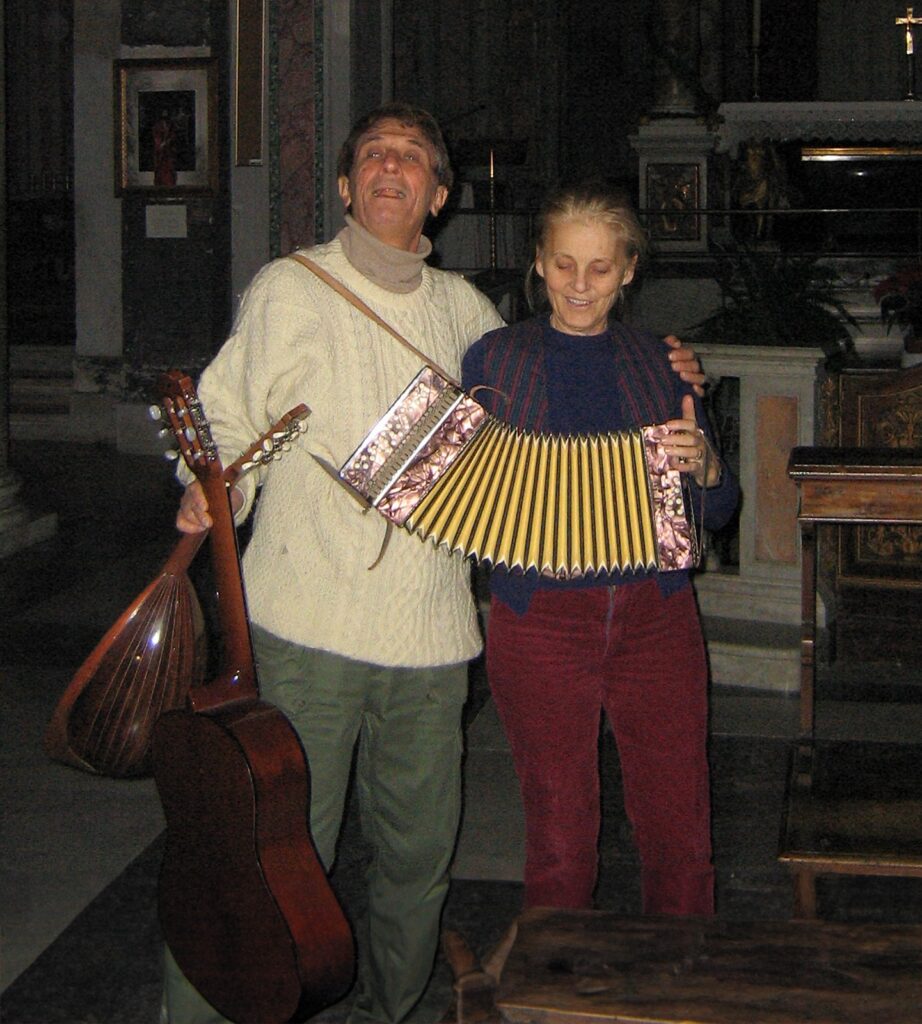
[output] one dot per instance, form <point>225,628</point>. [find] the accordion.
<point>441,466</point>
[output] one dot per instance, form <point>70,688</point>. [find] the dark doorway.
<point>39,172</point>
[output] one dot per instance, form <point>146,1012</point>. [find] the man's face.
<point>392,186</point>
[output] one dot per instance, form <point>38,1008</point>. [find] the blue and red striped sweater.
<point>572,384</point>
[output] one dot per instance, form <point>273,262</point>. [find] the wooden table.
<point>840,797</point>
<point>579,967</point>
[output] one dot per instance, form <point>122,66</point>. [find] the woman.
<point>561,652</point>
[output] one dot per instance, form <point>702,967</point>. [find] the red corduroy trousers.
<point>639,657</point>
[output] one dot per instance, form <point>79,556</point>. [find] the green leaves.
<point>774,299</point>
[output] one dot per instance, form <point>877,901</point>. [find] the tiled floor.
<point>80,853</point>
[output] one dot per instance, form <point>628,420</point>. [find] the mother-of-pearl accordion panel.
<point>438,464</point>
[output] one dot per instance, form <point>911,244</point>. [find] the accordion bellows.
<point>438,464</point>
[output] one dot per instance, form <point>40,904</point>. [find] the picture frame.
<point>166,126</point>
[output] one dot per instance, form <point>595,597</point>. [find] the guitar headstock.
<point>183,411</point>
<point>186,419</point>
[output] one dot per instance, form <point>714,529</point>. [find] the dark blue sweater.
<point>573,384</point>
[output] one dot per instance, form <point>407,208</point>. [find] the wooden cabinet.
<point>872,570</point>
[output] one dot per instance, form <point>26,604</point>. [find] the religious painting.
<point>166,126</point>
<point>671,190</point>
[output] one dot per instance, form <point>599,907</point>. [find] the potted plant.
<point>775,299</point>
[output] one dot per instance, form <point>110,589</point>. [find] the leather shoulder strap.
<point>350,296</point>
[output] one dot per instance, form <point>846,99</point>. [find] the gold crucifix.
<point>910,22</point>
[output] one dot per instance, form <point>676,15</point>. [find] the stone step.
<point>40,395</point>
<point>751,655</point>
<point>41,384</point>
<point>42,361</point>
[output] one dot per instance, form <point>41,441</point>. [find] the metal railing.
<point>505,240</point>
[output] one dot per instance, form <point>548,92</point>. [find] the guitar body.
<point>245,905</point>
<point>244,902</point>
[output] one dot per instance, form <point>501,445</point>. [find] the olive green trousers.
<point>400,729</point>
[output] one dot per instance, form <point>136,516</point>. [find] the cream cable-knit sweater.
<point>306,567</point>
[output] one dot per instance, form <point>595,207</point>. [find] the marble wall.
<point>294,122</point>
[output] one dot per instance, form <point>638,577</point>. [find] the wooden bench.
<point>579,967</point>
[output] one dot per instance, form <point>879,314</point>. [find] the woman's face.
<point>584,265</point>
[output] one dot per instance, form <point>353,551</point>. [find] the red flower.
<point>900,298</point>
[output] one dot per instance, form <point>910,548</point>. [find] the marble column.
<point>296,122</point>
<point>17,528</point>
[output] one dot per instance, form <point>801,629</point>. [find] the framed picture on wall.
<point>166,126</point>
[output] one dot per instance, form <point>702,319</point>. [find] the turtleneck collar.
<point>394,269</point>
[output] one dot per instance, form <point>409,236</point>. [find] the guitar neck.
<point>236,680</point>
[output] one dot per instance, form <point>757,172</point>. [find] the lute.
<point>152,654</point>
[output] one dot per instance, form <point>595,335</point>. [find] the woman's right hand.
<point>193,516</point>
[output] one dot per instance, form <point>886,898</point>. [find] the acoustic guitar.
<point>244,902</point>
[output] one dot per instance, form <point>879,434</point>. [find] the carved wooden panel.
<point>881,409</point>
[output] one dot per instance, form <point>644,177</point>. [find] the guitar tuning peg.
<point>165,432</point>
<point>155,412</point>
<point>171,455</point>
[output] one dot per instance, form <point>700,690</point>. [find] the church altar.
<point>882,121</point>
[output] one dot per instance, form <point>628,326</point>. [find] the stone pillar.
<point>335,108</point>
<point>94,415</point>
<point>296,109</point>
<point>752,615</point>
<point>17,528</point>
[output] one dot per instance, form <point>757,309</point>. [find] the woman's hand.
<point>193,516</point>
<point>688,448</point>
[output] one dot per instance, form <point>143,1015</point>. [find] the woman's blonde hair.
<point>592,201</point>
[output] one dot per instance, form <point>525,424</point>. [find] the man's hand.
<point>193,516</point>
<point>685,363</point>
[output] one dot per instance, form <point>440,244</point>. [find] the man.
<point>357,657</point>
